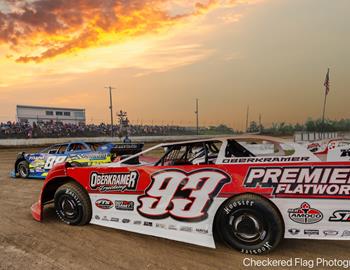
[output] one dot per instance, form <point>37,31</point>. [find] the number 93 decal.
<point>182,195</point>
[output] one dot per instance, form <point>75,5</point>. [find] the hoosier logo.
<point>305,214</point>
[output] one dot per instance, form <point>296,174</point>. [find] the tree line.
<point>310,125</point>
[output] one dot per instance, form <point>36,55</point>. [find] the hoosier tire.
<point>250,224</point>
<point>72,204</point>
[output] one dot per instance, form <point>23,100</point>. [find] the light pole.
<point>247,120</point>
<point>111,108</point>
<point>197,116</point>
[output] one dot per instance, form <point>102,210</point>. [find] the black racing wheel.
<point>72,204</point>
<point>250,224</point>
<point>23,169</point>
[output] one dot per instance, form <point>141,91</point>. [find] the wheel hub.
<point>69,207</point>
<point>247,227</point>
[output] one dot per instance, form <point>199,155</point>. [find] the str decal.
<point>340,216</point>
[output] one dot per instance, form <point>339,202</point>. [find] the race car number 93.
<point>163,199</point>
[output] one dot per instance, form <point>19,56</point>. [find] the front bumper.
<point>37,211</point>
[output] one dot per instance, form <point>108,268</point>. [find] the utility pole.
<point>326,85</point>
<point>197,116</point>
<point>110,88</point>
<point>247,120</point>
<point>260,125</point>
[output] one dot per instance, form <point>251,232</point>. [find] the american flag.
<point>326,82</point>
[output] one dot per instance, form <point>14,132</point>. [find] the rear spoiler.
<point>126,149</point>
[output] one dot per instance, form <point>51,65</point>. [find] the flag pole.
<point>326,85</point>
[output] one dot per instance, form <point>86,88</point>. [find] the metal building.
<point>37,113</point>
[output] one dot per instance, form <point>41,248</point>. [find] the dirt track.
<point>27,244</point>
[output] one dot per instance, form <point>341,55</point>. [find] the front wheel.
<point>72,204</point>
<point>23,169</point>
<point>250,224</point>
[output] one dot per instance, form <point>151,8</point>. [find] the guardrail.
<point>146,139</point>
<point>314,136</point>
<point>302,137</point>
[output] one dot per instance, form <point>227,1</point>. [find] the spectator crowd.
<point>20,130</point>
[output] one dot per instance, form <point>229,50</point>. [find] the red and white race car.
<point>189,191</point>
<point>331,149</point>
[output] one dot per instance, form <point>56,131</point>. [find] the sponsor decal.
<point>172,227</point>
<point>126,220</point>
<point>330,233</point>
<point>124,205</point>
<point>320,181</point>
<point>305,214</point>
<point>311,232</point>
<point>34,157</point>
<point>265,159</point>
<point>186,229</point>
<point>114,219</point>
<point>332,146</point>
<point>105,218</point>
<point>340,216</point>
<point>147,223</point>
<point>345,152</point>
<point>184,196</point>
<point>313,147</point>
<point>97,217</point>
<point>90,156</point>
<point>127,146</point>
<point>110,182</point>
<point>104,204</point>
<point>294,231</point>
<point>346,233</point>
<point>202,231</point>
<point>137,222</point>
<point>160,225</point>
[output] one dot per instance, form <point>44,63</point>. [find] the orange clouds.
<point>43,29</point>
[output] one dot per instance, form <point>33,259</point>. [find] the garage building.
<point>26,113</point>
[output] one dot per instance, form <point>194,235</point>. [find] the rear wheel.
<point>23,169</point>
<point>249,224</point>
<point>72,204</point>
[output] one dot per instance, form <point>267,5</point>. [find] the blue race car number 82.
<point>52,160</point>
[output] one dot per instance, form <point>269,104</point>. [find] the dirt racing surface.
<point>27,244</point>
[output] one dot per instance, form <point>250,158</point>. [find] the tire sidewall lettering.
<point>75,197</point>
<point>264,248</point>
<point>236,204</point>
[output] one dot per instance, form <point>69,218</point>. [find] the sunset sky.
<point>161,55</point>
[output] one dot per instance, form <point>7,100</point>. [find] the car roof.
<point>238,137</point>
